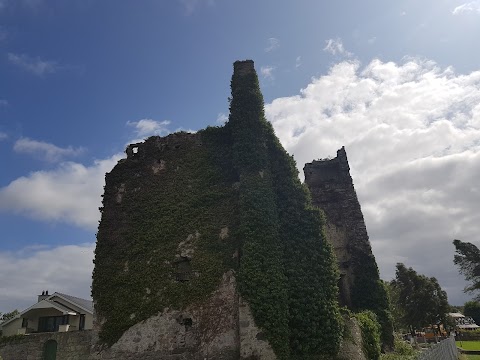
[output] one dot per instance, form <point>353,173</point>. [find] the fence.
<point>444,350</point>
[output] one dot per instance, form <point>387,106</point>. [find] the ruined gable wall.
<point>165,242</point>
<point>332,190</point>
<point>360,286</point>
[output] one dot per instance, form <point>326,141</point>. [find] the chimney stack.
<point>43,296</point>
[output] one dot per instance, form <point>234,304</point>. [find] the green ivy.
<point>137,240</point>
<point>369,293</point>
<point>237,176</point>
<point>282,233</point>
<point>262,276</point>
<point>370,329</point>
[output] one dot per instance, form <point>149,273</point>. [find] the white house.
<point>56,312</point>
<point>463,322</point>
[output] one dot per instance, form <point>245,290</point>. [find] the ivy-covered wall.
<point>182,210</point>
<point>162,240</point>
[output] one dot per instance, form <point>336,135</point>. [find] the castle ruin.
<point>209,248</point>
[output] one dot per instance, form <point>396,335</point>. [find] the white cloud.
<point>44,150</point>
<point>148,127</point>
<point>222,118</point>
<point>412,135</point>
<point>335,47</point>
<point>25,273</point>
<point>298,62</point>
<point>267,72</point>
<point>36,66</point>
<point>473,6</point>
<point>70,193</point>
<point>3,136</point>
<point>273,44</point>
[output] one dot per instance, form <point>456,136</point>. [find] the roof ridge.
<point>71,296</point>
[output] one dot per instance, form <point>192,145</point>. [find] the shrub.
<point>370,329</point>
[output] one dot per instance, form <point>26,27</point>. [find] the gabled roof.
<point>47,303</point>
<point>456,315</point>
<point>84,304</point>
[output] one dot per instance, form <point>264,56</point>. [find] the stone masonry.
<point>332,190</point>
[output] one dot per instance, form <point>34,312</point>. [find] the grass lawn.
<point>469,345</point>
<point>472,357</point>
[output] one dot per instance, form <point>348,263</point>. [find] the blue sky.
<point>397,83</point>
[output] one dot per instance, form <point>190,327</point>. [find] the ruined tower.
<point>360,286</point>
<point>208,247</point>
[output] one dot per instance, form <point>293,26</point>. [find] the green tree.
<point>472,309</point>
<point>467,258</point>
<point>396,310</point>
<point>9,315</point>
<point>421,298</point>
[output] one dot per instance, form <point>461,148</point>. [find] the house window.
<point>51,323</point>
<point>24,322</point>
<point>81,324</point>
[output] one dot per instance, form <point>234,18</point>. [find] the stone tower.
<point>208,247</point>
<point>332,190</point>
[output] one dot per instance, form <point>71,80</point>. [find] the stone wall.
<point>206,331</point>
<point>75,345</point>
<point>360,286</point>
<point>221,328</point>
<point>332,190</point>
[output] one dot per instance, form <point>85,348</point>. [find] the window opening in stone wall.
<point>188,323</point>
<point>183,270</point>
<point>342,290</point>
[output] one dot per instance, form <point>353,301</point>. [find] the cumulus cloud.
<point>267,72</point>
<point>222,118</point>
<point>335,47</point>
<point>44,150</point>
<point>70,193</point>
<point>412,135</point>
<point>53,268</point>
<point>148,127</point>
<point>273,44</point>
<point>36,65</point>
<point>473,6</point>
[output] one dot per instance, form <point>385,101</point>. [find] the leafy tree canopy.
<point>467,258</point>
<point>8,316</point>
<point>472,309</point>
<point>420,298</point>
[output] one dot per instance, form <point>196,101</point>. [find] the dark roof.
<point>86,304</point>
